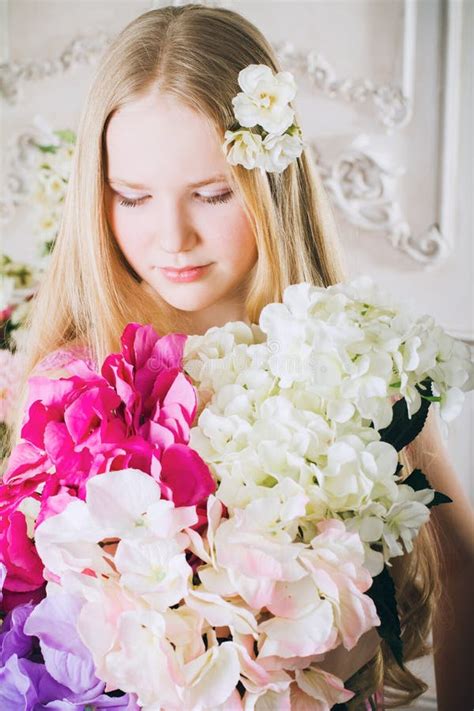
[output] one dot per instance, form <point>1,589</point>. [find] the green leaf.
<point>47,149</point>
<point>403,429</point>
<point>47,247</point>
<point>66,135</point>
<point>417,480</point>
<point>439,498</point>
<point>432,398</point>
<point>382,593</point>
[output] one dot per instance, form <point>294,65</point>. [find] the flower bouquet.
<point>196,525</point>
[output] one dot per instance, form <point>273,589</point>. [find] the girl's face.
<point>170,204</point>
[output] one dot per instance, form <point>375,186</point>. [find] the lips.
<point>185,275</point>
<point>184,269</point>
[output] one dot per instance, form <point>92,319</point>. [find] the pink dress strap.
<point>62,357</point>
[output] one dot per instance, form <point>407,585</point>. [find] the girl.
<point>151,192</point>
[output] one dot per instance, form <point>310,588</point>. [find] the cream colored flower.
<point>279,151</point>
<point>264,99</point>
<point>264,102</point>
<point>246,148</point>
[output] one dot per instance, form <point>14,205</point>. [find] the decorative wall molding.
<point>448,189</point>
<point>408,56</point>
<point>19,158</point>
<point>80,50</point>
<point>392,108</point>
<point>363,185</point>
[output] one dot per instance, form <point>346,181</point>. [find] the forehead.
<point>158,139</point>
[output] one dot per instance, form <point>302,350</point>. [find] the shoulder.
<point>454,521</point>
<point>53,366</point>
<point>429,451</point>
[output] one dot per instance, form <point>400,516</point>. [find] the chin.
<point>188,299</point>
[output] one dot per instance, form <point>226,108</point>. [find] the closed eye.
<point>131,203</point>
<point>223,197</point>
<point>211,199</point>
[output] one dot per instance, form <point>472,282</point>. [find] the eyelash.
<point>224,197</point>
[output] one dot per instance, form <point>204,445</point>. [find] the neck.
<point>216,315</point>
<point>231,308</point>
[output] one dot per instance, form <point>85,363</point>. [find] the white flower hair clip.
<point>263,105</point>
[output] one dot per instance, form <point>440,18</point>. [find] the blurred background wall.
<point>385,98</point>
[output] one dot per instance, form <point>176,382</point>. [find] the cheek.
<point>238,244</point>
<point>127,230</point>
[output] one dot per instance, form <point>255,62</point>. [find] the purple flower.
<point>27,686</point>
<point>24,684</point>
<point>127,702</point>
<point>13,639</point>
<point>66,680</point>
<point>66,658</point>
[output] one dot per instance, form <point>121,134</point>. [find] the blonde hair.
<point>418,591</point>
<point>193,53</point>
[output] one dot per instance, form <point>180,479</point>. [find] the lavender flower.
<point>44,664</point>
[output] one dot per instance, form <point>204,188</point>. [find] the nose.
<point>174,228</point>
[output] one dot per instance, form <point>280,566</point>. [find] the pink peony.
<point>18,553</point>
<point>136,413</point>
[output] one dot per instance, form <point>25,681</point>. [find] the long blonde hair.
<point>193,53</point>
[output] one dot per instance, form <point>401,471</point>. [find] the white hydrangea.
<point>302,396</point>
<point>361,348</point>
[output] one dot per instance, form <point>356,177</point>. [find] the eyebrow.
<point>140,186</point>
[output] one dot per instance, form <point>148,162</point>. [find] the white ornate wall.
<point>385,98</point>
